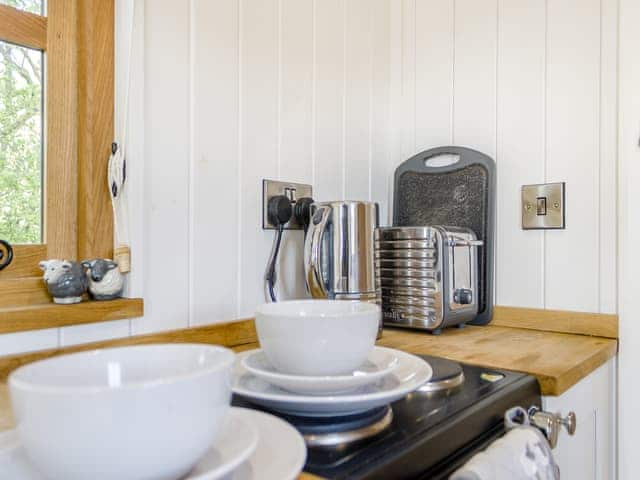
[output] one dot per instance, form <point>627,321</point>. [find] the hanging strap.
<point>129,68</point>
<point>116,171</point>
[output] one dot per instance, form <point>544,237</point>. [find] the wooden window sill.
<point>51,315</point>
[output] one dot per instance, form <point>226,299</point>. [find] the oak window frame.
<point>77,38</point>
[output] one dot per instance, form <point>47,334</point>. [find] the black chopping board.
<point>452,186</point>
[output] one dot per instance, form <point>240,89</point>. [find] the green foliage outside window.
<point>33,6</point>
<point>21,138</point>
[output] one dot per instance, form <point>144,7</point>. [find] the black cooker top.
<point>431,432</point>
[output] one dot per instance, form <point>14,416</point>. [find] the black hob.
<point>431,432</point>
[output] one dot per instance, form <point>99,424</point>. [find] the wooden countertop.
<point>557,360</point>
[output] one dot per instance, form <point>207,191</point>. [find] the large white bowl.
<point>142,412</point>
<point>317,337</point>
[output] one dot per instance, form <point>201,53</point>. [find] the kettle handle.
<point>312,244</point>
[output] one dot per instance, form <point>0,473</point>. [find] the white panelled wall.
<point>629,197</point>
<point>532,84</point>
<point>337,93</point>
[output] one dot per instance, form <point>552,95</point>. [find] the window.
<point>20,144</point>
<point>55,58</point>
<point>32,6</point>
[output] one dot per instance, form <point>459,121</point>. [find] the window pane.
<point>33,6</point>
<point>20,144</point>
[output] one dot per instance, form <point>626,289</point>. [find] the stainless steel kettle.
<point>339,251</point>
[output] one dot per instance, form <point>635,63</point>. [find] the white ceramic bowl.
<point>140,412</point>
<point>317,337</point>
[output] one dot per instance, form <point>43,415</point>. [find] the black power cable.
<point>270,276</point>
<point>279,212</point>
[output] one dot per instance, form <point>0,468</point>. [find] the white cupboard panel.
<point>11,343</point>
<point>591,452</point>
<point>520,148</point>
<point>573,150</point>
<point>93,332</point>
<point>214,74</point>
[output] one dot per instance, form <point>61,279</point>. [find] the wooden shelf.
<point>51,315</point>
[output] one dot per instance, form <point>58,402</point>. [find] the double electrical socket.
<point>293,191</point>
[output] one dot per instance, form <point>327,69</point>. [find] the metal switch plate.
<point>295,191</point>
<point>543,206</point>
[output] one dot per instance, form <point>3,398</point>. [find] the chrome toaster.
<point>428,276</point>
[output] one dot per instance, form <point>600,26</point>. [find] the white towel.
<point>523,453</point>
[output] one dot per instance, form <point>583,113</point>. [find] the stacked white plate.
<point>386,376</point>
<point>253,445</point>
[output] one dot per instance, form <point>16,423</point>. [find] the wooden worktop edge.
<point>228,334</point>
<point>555,386</point>
<point>560,321</point>
<point>572,376</point>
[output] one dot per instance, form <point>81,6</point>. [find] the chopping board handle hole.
<point>442,160</point>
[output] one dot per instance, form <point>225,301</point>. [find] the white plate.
<point>236,447</point>
<point>281,450</point>
<point>380,362</point>
<point>410,373</point>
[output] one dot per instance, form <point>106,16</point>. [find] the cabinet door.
<point>590,453</point>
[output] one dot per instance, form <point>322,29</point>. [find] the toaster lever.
<point>463,296</point>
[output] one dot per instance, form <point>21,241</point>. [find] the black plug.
<point>279,210</point>
<point>302,212</point>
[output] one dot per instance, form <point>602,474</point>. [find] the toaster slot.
<point>462,268</point>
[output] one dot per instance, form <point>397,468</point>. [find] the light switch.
<point>543,206</point>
